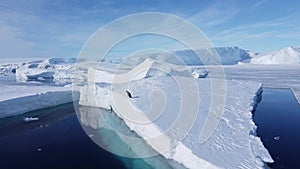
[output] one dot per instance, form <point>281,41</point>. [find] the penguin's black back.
<point>128,94</point>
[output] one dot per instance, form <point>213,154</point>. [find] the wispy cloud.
<point>258,4</point>
<point>274,30</point>
<point>214,15</point>
<point>11,45</point>
<point>42,32</point>
<point>61,27</point>
<point>258,26</point>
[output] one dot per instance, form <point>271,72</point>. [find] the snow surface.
<point>273,76</point>
<point>15,100</point>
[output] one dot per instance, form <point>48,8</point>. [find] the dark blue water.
<point>278,119</point>
<point>55,141</point>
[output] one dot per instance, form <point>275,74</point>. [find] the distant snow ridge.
<point>228,56</point>
<point>290,55</point>
<point>148,68</point>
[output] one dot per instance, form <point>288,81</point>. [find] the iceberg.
<point>158,106</point>
<point>199,73</point>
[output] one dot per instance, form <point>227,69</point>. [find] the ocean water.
<point>56,140</point>
<point>278,119</point>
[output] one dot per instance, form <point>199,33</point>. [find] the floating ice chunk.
<point>28,119</point>
<point>199,73</point>
<point>277,138</point>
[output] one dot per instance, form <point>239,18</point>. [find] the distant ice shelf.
<point>15,100</point>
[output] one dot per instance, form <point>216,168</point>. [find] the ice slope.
<point>290,55</point>
<point>228,56</point>
<point>15,100</point>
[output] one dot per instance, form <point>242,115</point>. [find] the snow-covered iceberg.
<point>232,145</point>
<point>157,103</point>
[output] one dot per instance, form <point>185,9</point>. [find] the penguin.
<point>128,94</point>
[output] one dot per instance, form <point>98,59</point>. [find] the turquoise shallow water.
<point>56,140</point>
<point>278,117</point>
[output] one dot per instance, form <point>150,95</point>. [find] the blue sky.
<point>30,28</point>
